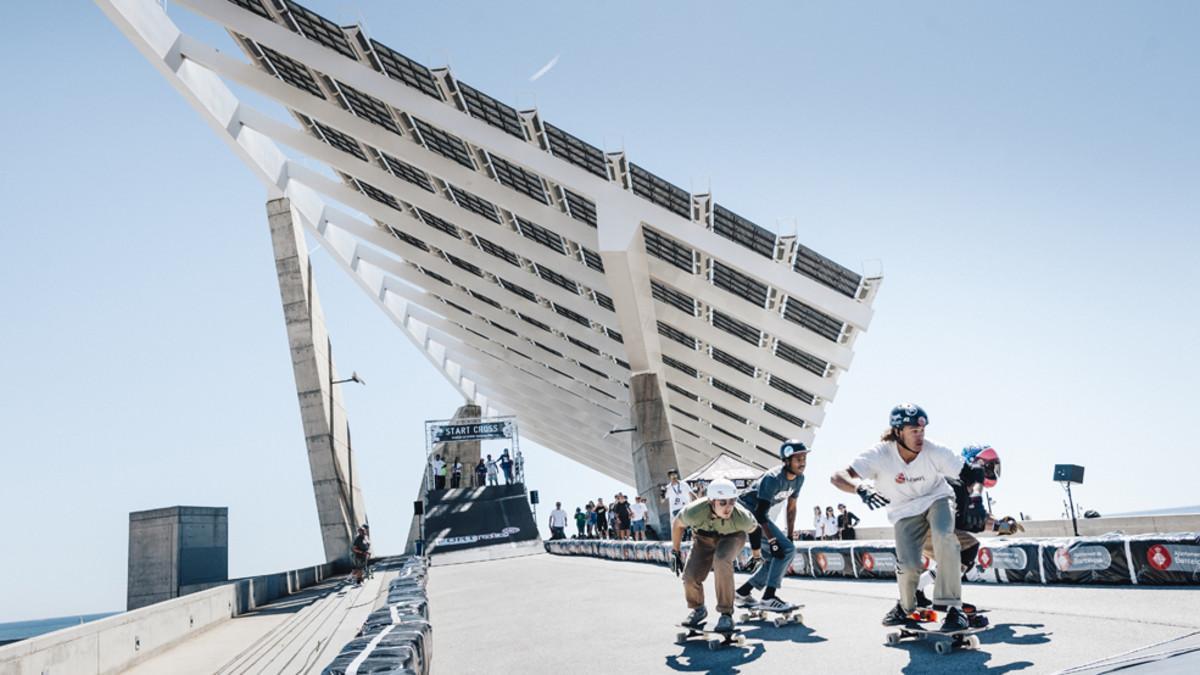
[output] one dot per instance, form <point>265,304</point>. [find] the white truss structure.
<point>536,272</point>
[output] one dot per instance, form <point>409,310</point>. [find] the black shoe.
<point>977,620</point>
<point>955,621</point>
<point>896,617</point>
<point>923,600</point>
<point>724,624</point>
<point>967,608</point>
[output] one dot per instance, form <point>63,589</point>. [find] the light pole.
<point>349,450</point>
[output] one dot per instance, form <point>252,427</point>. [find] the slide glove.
<point>976,516</point>
<point>676,562</point>
<point>871,498</point>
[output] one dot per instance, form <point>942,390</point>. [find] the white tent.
<point>723,466</point>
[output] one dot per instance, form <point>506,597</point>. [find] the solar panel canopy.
<point>534,270</point>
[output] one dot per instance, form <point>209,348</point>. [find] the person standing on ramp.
<point>777,484</point>
<point>719,526</point>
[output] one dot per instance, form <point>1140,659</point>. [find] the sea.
<point>23,630</point>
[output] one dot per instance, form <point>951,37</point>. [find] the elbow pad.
<point>760,511</point>
<point>756,538</point>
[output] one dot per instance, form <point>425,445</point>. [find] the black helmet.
<point>908,415</point>
<point>791,447</point>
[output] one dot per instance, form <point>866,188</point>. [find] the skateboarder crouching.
<point>909,475</point>
<point>719,526</point>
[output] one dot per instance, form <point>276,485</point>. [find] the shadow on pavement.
<point>1003,632</point>
<point>767,632</point>
<point>698,658</point>
<point>923,658</point>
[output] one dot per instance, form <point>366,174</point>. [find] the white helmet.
<point>721,489</point>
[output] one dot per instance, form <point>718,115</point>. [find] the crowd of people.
<point>827,526</point>
<point>620,519</point>
<point>487,472</point>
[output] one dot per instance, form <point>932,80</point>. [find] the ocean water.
<point>21,630</point>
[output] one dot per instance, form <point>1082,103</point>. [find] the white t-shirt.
<point>438,465</point>
<point>914,487</point>
<point>637,511</point>
<point>679,495</point>
<point>558,518</point>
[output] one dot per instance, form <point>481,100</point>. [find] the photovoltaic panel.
<point>485,299</point>
<point>515,178</point>
<point>585,156</point>
<point>439,224</point>
<point>406,237</point>
<point>399,67</point>
<point>683,392</point>
<point>679,300</point>
<point>519,353</point>
<point>484,107</point>
<point>592,370</point>
<point>616,337</point>
<point>821,269</point>
<point>732,361</point>
<point>369,108</point>
<point>773,434</point>
<point>800,358</point>
<point>291,71</point>
<point>474,204</point>
<point>783,415</point>
<point>376,194</point>
<point>592,259</point>
<point>556,353</point>
<point>556,278</point>
<point>667,249</point>
<point>518,290</point>
<point>254,6</point>
<point>580,208</point>
<point>533,322</point>
<point>457,306</point>
<point>583,345</point>
<point>731,390</point>
<point>572,315</point>
<point>604,301</point>
<point>620,362</point>
<point>686,414</point>
<point>741,285</point>
<point>444,144</point>
<point>435,275</point>
<point>677,335</point>
<point>737,328</point>
<point>541,235</point>
<point>498,251</point>
<point>727,433</point>
<point>813,319</point>
<point>504,328</point>
<point>319,29</point>
<point>680,366</point>
<point>406,171</point>
<point>463,264</point>
<point>344,142</point>
<point>729,413</point>
<point>741,231</point>
<point>659,191</point>
<point>791,389</point>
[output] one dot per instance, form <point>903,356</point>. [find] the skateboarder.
<point>777,484</point>
<point>719,526</point>
<point>908,473</point>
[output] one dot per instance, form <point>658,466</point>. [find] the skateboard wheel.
<point>893,638</point>
<point>942,648</point>
<point>778,621</point>
<point>741,641</point>
<point>973,642</point>
<point>744,618</point>
<point>799,618</point>
<point>713,644</point>
<point>681,637</point>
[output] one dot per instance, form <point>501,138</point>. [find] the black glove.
<point>676,562</point>
<point>776,549</point>
<point>975,516</point>
<point>871,498</point>
<point>755,562</point>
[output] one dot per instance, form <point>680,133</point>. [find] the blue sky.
<point>1025,173</point>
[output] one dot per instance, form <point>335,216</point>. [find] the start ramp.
<point>482,523</point>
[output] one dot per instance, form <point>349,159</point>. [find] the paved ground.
<point>551,614</point>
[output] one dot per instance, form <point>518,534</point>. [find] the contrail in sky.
<point>545,69</point>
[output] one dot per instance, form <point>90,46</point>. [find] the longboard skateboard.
<point>714,639</point>
<point>943,643</point>
<point>782,616</point>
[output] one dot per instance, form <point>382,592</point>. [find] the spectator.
<point>831,528</point>
<point>601,519</point>
<point>846,522</point>
<point>612,522</point>
<point>456,475</point>
<point>506,465</point>
<point>580,522</point>
<point>360,550</point>
<point>591,520</point>
<point>678,494</point>
<point>638,511</point>
<point>622,515</point>
<point>493,471</point>
<point>519,465</point>
<point>480,473</point>
<point>558,522</point>
<point>818,524</point>
<point>439,473</point>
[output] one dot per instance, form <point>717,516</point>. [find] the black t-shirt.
<point>362,544</point>
<point>602,516</point>
<point>622,511</point>
<point>847,520</point>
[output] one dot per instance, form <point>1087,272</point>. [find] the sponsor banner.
<point>1174,560</point>
<point>481,430</point>
<point>875,562</point>
<point>1008,561</point>
<point>829,561</point>
<point>1088,560</point>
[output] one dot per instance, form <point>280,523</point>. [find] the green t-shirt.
<point>699,516</point>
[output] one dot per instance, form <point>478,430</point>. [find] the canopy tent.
<point>723,466</point>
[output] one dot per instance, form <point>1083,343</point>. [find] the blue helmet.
<point>908,415</point>
<point>791,447</point>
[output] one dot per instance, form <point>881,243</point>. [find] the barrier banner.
<point>831,561</point>
<point>875,561</point>
<point>1087,560</point>
<point>1008,561</point>
<point>1166,559</point>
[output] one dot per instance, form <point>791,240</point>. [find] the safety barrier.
<point>1113,559</point>
<point>397,638</point>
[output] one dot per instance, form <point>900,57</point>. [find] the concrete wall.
<point>1087,527</point>
<point>174,548</point>
<point>114,644</point>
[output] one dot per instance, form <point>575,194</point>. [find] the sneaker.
<point>754,564</point>
<point>924,601</point>
<point>967,608</point>
<point>955,621</point>
<point>774,604</point>
<point>977,620</point>
<point>724,624</point>
<point>696,617</point>
<point>747,600</point>
<point>896,617</point>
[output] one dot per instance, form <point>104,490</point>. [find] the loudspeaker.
<point>418,508</point>
<point>533,497</point>
<point>1068,473</point>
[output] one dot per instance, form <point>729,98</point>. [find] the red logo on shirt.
<point>1159,557</point>
<point>900,478</point>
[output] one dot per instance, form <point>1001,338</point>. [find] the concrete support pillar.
<point>653,447</point>
<point>340,507</point>
<point>467,452</point>
<point>176,551</point>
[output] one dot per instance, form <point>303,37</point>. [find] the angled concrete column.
<point>467,452</point>
<point>326,427</point>
<point>653,447</point>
